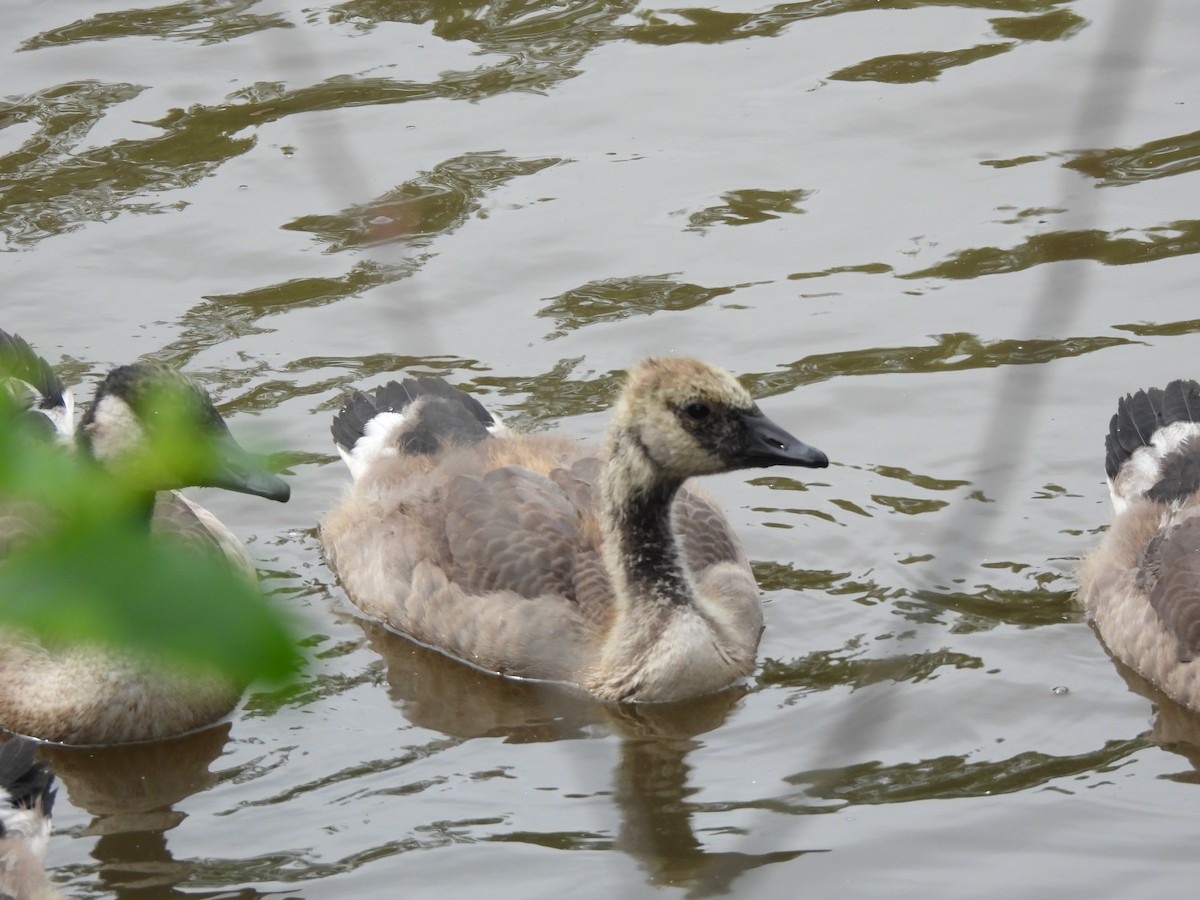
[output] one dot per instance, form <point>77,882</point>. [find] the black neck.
<point>647,546</point>
<point>144,504</point>
<point>141,503</point>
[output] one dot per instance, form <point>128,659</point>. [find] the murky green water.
<point>938,239</point>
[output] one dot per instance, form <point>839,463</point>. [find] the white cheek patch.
<point>115,429</point>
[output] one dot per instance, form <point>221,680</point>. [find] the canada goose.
<point>85,694</point>
<point>538,557</point>
<point>26,798</point>
<point>125,408</point>
<point>1142,584</point>
<point>45,406</point>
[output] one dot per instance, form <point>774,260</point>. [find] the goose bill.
<point>770,445</point>
<point>237,470</point>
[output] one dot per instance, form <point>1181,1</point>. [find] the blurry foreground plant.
<point>80,564</point>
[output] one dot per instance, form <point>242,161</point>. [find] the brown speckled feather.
<point>19,522</point>
<point>516,530</point>
<point>177,517</point>
<point>707,537</point>
<point>592,589</point>
<point>427,551</point>
<point>1176,596</point>
<point>80,694</point>
<point>511,530</point>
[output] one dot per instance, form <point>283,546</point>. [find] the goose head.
<point>153,418</point>
<point>689,418</point>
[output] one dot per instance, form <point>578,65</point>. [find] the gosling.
<point>536,557</point>
<point>1142,584</point>
<point>26,798</point>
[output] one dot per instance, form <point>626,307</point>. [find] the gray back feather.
<point>511,530</point>
<point>516,530</point>
<point>1176,595</point>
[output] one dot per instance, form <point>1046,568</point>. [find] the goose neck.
<point>141,502</point>
<point>640,542</point>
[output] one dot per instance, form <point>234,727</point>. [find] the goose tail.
<point>1151,448</point>
<point>36,389</point>
<point>26,798</point>
<point>417,416</point>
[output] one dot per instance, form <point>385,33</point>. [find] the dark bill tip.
<point>770,445</point>
<point>264,484</point>
<point>241,472</point>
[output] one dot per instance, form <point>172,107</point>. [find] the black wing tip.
<point>1142,413</point>
<point>1181,401</point>
<point>361,407</point>
<point>426,386</point>
<point>351,420</point>
<point>29,782</point>
<point>19,360</point>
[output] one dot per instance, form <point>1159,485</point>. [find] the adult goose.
<point>538,557</point>
<point>26,798</point>
<point>84,694</point>
<point>1142,584</point>
<point>38,400</point>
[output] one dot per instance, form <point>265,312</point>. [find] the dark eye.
<point>697,411</point>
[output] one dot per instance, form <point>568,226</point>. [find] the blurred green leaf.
<point>124,588</point>
<point>80,563</point>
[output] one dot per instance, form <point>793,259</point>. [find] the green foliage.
<point>80,563</point>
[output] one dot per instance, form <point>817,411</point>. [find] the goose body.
<point>538,557</point>
<point>1142,584</point>
<point>26,798</point>
<point>83,694</point>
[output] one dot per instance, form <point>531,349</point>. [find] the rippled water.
<point>938,239</point>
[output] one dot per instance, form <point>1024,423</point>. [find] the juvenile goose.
<point>1142,584</point>
<point>538,557</point>
<point>26,798</point>
<point>87,695</point>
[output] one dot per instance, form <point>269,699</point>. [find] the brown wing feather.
<point>705,532</point>
<point>176,518</point>
<point>512,530</point>
<point>1176,595</point>
<point>21,522</point>
<point>593,589</point>
<point>183,520</point>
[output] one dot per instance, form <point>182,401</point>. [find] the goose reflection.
<point>130,791</point>
<point>656,823</point>
<point>1174,728</point>
<point>651,790</point>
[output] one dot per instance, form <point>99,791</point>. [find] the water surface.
<point>938,240</point>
